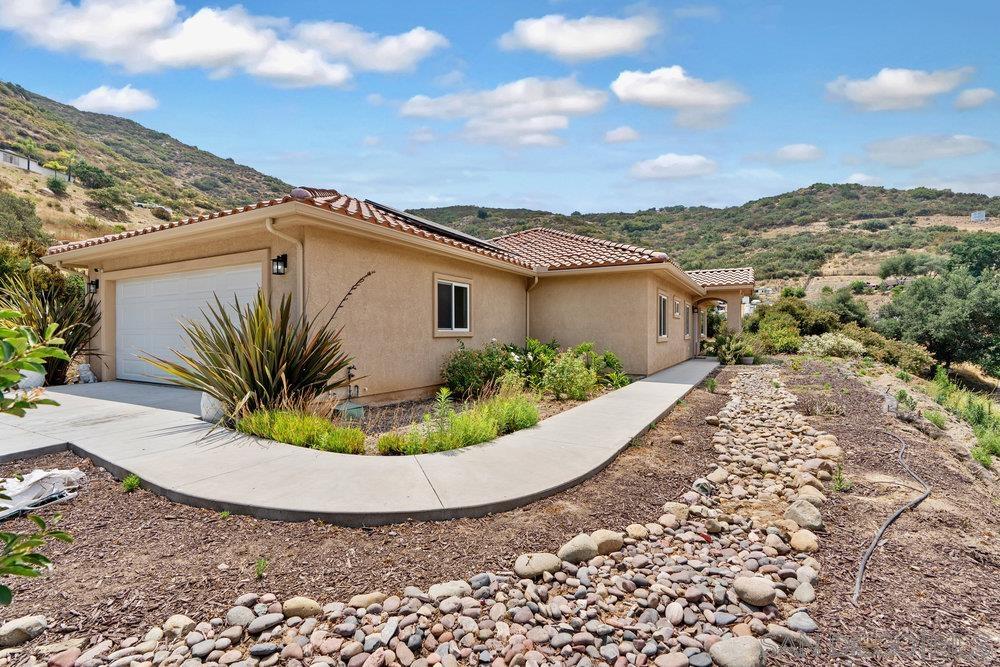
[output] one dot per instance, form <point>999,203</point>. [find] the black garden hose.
<point>888,522</point>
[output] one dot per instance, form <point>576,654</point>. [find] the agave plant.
<point>45,300</point>
<point>250,357</point>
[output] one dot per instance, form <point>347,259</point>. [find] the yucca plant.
<point>251,357</point>
<point>43,301</point>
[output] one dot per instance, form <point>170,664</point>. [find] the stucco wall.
<point>606,308</point>
<point>389,322</point>
<point>676,348</point>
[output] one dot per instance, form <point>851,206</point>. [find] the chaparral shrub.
<point>831,345</point>
<point>569,378</point>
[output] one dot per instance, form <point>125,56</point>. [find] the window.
<point>687,320</point>
<point>662,328</point>
<point>452,306</point>
<point>677,309</point>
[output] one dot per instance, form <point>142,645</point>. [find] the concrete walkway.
<point>153,431</point>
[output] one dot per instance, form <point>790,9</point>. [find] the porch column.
<point>734,312</point>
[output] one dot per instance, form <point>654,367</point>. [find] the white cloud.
<point>423,135</point>
<point>369,51</point>
<point>620,135</point>
<point>863,179</point>
<point>797,153</point>
<point>585,38</point>
<point>892,89</point>
<point>698,103</point>
<point>974,97</point>
<point>450,78</point>
<point>375,99</point>
<point>914,149</point>
<point>672,165</point>
<point>152,35</point>
<point>105,99</point>
<point>526,112</point>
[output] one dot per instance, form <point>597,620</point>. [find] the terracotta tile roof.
<point>331,200</point>
<point>556,250</point>
<point>723,277</point>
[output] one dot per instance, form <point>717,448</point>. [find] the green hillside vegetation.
<point>851,218</point>
<point>137,163</point>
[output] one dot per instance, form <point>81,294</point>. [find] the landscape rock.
<point>20,630</point>
<point>178,625</point>
<point>805,514</point>
<point>738,652</point>
<point>364,600</point>
<point>300,606</point>
<point>579,549</point>
<point>532,566</point>
<point>607,541</point>
<point>804,541</point>
<point>757,591</point>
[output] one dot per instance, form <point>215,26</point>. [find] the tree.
<point>56,185</point>
<point>793,291</point>
<point>22,350</point>
<point>19,221</point>
<point>954,315</point>
<point>92,177</point>
<point>482,214</point>
<point>111,199</point>
<point>978,252</point>
<point>911,264</point>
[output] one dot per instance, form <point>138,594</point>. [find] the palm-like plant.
<point>45,299</point>
<point>249,357</point>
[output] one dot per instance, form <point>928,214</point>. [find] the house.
<point>433,287</point>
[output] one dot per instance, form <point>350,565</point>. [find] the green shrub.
<point>778,332</point>
<point>793,291</point>
<point>294,428</point>
<point>732,348</point>
<point>569,378</point>
<point>935,418</point>
<point>616,380</point>
<point>19,221</point>
<point>130,483</point>
<point>711,384</point>
<point>262,359</point>
<point>511,413</point>
<point>342,440</point>
<point>905,400</point>
<point>842,303</point>
<point>92,177</point>
<point>531,360</point>
<point>911,357</point>
<point>398,444</point>
<point>810,320</point>
<point>47,298</point>
<point>470,372</point>
<point>56,185</point>
<point>831,345</point>
<point>112,198</point>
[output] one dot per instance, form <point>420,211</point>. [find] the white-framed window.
<point>662,325</point>
<point>452,301</point>
<point>687,320</point>
<point>677,309</point>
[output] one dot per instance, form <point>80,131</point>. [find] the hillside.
<point>789,235</point>
<point>151,166</point>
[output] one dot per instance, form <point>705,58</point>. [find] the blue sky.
<point>590,106</point>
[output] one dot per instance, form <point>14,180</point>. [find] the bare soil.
<point>138,558</point>
<point>930,592</point>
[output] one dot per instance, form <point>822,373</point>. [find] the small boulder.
<point>447,589</point>
<point>805,515</point>
<point>637,531</point>
<point>300,606</point>
<point>804,541</point>
<point>718,476</point>
<point>679,510</point>
<point>240,616</point>
<point>783,636</point>
<point>757,591</point>
<point>178,625</point>
<point>20,630</point>
<point>363,600</point>
<point>580,548</point>
<point>532,566</point>
<point>677,439</point>
<point>607,541</point>
<point>811,495</point>
<point>738,652</point>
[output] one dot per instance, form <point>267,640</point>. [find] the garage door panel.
<point>149,312</point>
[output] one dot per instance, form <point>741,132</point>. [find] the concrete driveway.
<point>154,432</point>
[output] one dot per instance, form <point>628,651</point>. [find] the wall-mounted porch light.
<point>279,265</point>
<point>93,286</point>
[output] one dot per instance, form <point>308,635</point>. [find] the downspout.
<point>527,307</point>
<point>300,254</point>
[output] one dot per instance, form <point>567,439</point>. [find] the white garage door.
<point>149,312</point>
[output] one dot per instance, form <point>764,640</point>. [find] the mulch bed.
<point>930,594</point>
<point>139,558</point>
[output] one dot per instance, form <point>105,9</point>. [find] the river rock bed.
<point>724,576</point>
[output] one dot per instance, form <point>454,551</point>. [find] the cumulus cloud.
<point>863,179</point>
<point>152,35</point>
<point>893,89</point>
<point>586,38</point>
<point>672,165</point>
<point>797,153</point>
<point>912,150</point>
<point>620,135</point>
<point>369,51</point>
<point>125,100</point>
<point>526,112</point>
<point>973,98</point>
<point>698,103</point>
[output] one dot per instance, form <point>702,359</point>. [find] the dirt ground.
<point>930,594</point>
<point>138,558</point>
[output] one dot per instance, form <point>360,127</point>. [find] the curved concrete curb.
<point>151,431</point>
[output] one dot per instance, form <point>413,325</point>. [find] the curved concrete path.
<point>153,431</point>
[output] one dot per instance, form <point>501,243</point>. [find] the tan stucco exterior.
<point>389,323</point>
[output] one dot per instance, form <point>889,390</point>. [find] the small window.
<point>452,306</point>
<point>662,328</point>
<point>687,320</point>
<point>677,309</point>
